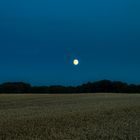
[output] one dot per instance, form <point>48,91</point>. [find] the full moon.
<point>75,61</point>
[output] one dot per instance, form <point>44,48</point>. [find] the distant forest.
<point>103,86</point>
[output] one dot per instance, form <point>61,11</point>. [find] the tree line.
<point>103,86</point>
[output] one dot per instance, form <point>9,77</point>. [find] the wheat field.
<point>70,116</point>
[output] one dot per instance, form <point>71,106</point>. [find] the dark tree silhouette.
<point>103,86</point>
<point>17,87</point>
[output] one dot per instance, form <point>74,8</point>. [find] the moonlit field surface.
<point>70,117</point>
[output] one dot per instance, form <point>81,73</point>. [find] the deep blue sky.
<point>40,38</point>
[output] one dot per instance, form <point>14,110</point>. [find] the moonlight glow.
<point>75,61</point>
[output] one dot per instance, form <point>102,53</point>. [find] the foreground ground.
<point>70,117</point>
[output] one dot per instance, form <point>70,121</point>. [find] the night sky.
<point>40,38</point>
